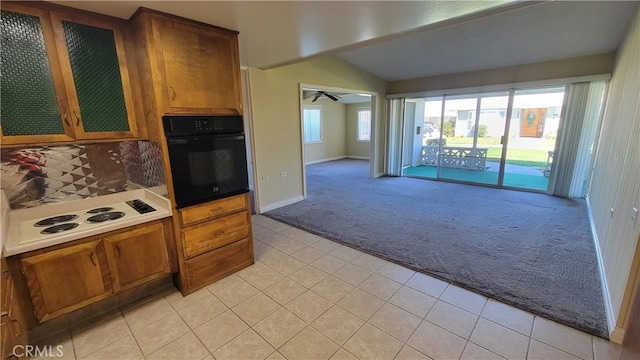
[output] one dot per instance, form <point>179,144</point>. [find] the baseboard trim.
<point>380,174</point>
<point>357,157</point>
<point>611,318</point>
<point>280,204</point>
<point>617,336</point>
<point>325,160</point>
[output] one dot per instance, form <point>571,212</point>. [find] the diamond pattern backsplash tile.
<point>41,175</point>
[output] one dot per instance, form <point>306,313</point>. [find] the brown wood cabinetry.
<point>137,256</point>
<point>13,327</point>
<point>65,76</point>
<point>70,277</point>
<point>67,279</point>
<point>193,68</point>
<point>215,241</point>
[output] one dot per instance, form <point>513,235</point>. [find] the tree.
<point>448,129</point>
<point>482,130</point>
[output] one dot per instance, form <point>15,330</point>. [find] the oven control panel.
<point>140,206</point>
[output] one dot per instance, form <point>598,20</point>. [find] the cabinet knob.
<point>173,93</point>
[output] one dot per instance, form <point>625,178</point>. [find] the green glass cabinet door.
<point>33,103</point>
<point>94,66</point>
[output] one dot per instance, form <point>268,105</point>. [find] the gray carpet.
<point>532,251</point>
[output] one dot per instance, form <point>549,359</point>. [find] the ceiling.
<point>403,39</point>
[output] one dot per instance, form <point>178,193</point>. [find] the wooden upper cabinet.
<point>67,279</point>
<point>64,77</point>
<point>94,68</point>
<point>137,256</point>
<point>195,68</point>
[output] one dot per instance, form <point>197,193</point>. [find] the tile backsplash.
<point>37,176</point>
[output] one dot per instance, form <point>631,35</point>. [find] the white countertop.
<point>19,236</point>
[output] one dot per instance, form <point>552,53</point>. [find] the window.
<point>312,124</point>
<point>364,124</point>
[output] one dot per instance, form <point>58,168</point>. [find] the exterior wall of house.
<point>333,133</point>
<point>275,102</point>
<point>557,69</point>
<point>615,184</point>
<point>355,148</point>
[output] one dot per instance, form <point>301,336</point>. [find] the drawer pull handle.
<point>16,329</point>
<point>66,119</point>
<point>93,261</point>
<point>5,273</point>
<point>218,234</point>
<point>77,118</point>
<point>217,210</point>
<point>173,93</point>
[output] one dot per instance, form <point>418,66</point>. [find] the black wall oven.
<point>208,157</point>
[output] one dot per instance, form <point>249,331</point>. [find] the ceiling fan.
<point>318,94</point>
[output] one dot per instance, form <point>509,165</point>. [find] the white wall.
<point>275,96</point>
<point>615,183</point>
<point>333,132</point>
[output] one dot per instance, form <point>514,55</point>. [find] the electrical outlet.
<point>283,174</point>
<point>265,177</point>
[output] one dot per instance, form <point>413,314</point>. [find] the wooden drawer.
<point>213,209</point>
<point>216,264</point>
<point>214,234</point>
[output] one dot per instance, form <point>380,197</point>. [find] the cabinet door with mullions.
<point>95,70</point>
<point>34,105</point>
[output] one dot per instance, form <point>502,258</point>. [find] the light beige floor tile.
<point>395,321</point>
<point>325,245</point>
<point>500,340</point>
<point>308,306</point>
<point>309,239</point>
<point>332,289</point>
<point>345,253</point>
<point>247,345</point>
<point>436,342</point>
<point>413,301</point>
<point>61,345</point>
<point>236,293</point>
<point>464,299</point>
<point>369,262</point>
<point>563,337</point>
<point>505,315</point>
<point>409,353</point>
<point>308,254</point>
<point>352,274</point>
<point>178,301</point>
<point>202,311</point>
<point>542,351</point>
<point>210,357</point>
<point>255,308</point>
<point>96,336</point>
<point>452,318</point>
<point>284,291</point>
<point>260,220</point>
<point>141,316</point>
<point>308,276</point>
<point>475,352</point>
<point>279,327</point>
<point>343,354</point>
<point>287,265</point>
<point>427,284</point>
<point>219,330</point>
<point>605,349</point>
<point>271,256</point>
<point>396,272</point>
<point>285,244</point>
<point>372,343</point>
<point>380,286</point>
<point>293,233</point>
<point>337,324</point>
<point>309,344</point>
<point>125,349</point>
<point>223,283</point>
<point>160,333</point>
<point>361,304</point>
<point>329,264</point>
<point>276,226</point>
<point>262,277</point>
<point>186,347</point>
<point>276,356</point>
